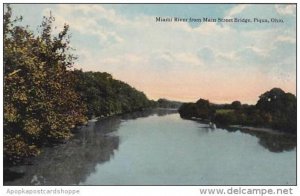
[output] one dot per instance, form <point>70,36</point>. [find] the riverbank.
<point>241,127</point>
<point>274,109</point>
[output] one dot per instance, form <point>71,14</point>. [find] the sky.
<point>184,61</point>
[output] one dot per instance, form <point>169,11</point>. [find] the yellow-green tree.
<point>40,104</point>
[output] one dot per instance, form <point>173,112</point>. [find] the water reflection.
<point>271,140</point>
<point>72,162</point>
<point>147,113</point>
<point>158,150</point>
<point>274,142</point>
<point>170,151</point>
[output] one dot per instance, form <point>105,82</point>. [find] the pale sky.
<point>183,61</point>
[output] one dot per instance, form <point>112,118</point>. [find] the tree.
<point>105,96</point>
<point>282,107</point>
<point>165,103</point>
<point>236,105</point>
<point>275,109</point>
<point>271,101</point>
<point>40,104</point>
<point>187,110</point>
<point>204,109</point>
<point>201,109</point>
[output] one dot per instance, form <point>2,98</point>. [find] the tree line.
<point>45,98</point>
<point>165,103</point>
<point>275,109</point>
<point>105,96</point>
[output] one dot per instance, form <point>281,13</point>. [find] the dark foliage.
<point>274,109</point>
<point>165,103</point>
<point>201,109</point>
<point>105,96</point>
<point>40,104</point>
<point>281,107</point>
<point>44,100</point>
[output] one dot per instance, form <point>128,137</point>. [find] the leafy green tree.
<point>105,96</point>
<point>40,104</point>
<point>274,109</point>
<point>236,105</point>
<point>201,109</point>
<point>187,110</point>
<point>204,109</point>
<point>281,108</point>
<point>165,103</point>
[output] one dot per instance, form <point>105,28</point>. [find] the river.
<point>157,147</point>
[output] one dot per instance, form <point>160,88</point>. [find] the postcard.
<point>149,94</point>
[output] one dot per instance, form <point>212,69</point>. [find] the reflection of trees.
<point>139,114</point>
<point>274,142</point>
<point>72,162</point>
<point>278,143</point>
<point>146,113</point>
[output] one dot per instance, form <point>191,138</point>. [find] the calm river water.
<point>159,148</point>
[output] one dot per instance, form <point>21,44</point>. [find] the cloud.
<point>88,20</point>
<point>284,38</point>
<point>211,28</point>
<point>153,56</point>
<point>206,54</point>
<point>250,55</point>
<point>285,9</point>
<point>237,9</point>
<point>162,59</point>
<point>227,57</point>
<point>259,52</point>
